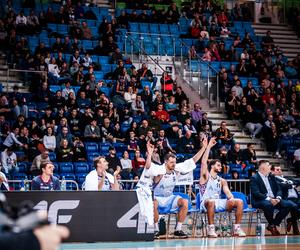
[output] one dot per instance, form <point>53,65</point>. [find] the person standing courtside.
<point>266,194</point>
<point>211,186</point>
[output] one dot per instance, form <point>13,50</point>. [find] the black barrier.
<point>92,216</point>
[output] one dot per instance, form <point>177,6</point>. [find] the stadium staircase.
<point>283,35</point>
<point>9,79</point>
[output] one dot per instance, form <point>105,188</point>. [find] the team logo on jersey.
<point>54,209</point>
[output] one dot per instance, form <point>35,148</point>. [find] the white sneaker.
<point>278,155</point>
<point>211,232</point>
<point>238,232</point>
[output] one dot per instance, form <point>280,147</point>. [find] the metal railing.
<point>242,186</point>
<point>212,88</point>
<point>29,181</point>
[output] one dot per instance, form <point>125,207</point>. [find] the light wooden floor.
<point>251,243</point>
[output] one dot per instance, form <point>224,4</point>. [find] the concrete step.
<point>270,27</point>
<point>290,55</point>
<point>275,32</point>
<point>212,116</point>
<point>3,66</point>
<point>231,128</point>
<point>288,45</point>
<point>286,41</point>
<point>275,36</point>
<point>291,50</point>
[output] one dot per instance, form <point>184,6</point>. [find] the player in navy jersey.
<point>46,181</point>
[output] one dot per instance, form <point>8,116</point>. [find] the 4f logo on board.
<point>128,221</point>
<point>55,207</point>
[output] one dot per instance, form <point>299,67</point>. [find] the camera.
<point>20,219</point>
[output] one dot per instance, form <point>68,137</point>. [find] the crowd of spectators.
<point>133,113</point>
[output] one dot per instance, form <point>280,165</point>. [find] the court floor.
<point>257,243</point>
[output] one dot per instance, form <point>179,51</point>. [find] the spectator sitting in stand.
<point>64,152</point>
<point>35,168</point>
<point>146,74</point>
<point>235,155</point>
<point>9,161</point>
<point>92,131</point>
<point>161,114</point>
<point>186,143</point>
<point>196,114</point>
<point>138,163</point>
<point>49,139</point>
<point>249,155</point>
<point>79,152</point>
<point>223,135</point>
<point>113,160</point>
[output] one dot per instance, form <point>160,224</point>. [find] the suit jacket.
<point>286,186</point>
<point>259,191</point>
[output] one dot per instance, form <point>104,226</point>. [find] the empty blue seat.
<point>54,88</point>
<point>23,167</point>
<point>80,178</point>
<point>52,156</point>
<point>92,156</point>
<point>106,68</point>
<point>104,147</point>
<point>106,91</point>
<point>81,167</point>
<point>91,147</point>
<point>66,167</point>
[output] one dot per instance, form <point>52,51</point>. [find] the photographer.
<point>32,232</point>
<point>43,238</point>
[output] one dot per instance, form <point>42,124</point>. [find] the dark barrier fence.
<point>92,216</point>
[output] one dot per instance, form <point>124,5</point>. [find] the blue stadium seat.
<point>106,91</point>
<point>91,147</point>
<point>104,147</point>
<point>81,167</point>
<point>80,178</point>
<point>52,156</point>
<point>54,88</point>
<point>92,156</point>
<point>66,167</point>
<point>23,167</point>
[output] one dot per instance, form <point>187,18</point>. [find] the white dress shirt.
<point>267,185</point>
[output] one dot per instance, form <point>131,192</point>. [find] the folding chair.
<point>246,208</point>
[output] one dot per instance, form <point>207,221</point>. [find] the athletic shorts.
<point>170,202</point>
<point>220,204</point>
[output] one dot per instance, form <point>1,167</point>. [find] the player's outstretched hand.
<point>212,142</point>
<point>150,147</point>
<point>204,142</point>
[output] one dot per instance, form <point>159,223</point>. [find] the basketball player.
<point>46,181</point>
<point>211,186</point>
<point>164,183</point>
<point>99,180</point>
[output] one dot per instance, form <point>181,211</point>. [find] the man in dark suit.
<point>290,194</point>
<point>267,195</point>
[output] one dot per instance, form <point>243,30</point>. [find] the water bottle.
<point>258,228</point>
<point>22,188</point>
<point>27,185</point>
<point>63,186</point>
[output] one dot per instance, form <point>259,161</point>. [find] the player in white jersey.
<point>211,186</point>
<point>99,180</point>
<point>164,183</point>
